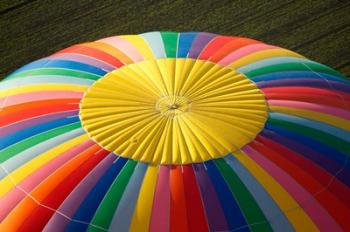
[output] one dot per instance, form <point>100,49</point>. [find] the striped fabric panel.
<point>295,174</point>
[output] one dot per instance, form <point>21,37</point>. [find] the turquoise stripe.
<point>155,41</point>
<point>297,74</point>
<point>326,128</point>
<point>59,63</point>
<point>21,158</point>
<point>272,61</point>
<point>122,217</point>
<point>54,71</point>
<point>43,79</point>
<point>272,212</point>
<point>31,142</point>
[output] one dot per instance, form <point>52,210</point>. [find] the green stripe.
<point>16,148</point>
<point>170,43</point>
<point>55,71</point>
<point>291,67</point>
<point>247,203</point>
<point>104,213</point>
<point>317,135</point>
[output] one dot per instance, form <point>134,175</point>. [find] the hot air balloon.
<point>167,131</point>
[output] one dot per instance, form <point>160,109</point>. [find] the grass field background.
<point>32,29</point>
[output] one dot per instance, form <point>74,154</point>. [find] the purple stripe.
<point>76,197</point>
<point>199,43</point>
<point>12,128</point>
<point>308,153</point>
<point>215,215</point>
<point>311,82</point>
<point>316,212</point>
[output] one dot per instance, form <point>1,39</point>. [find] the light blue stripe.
<point>124,213</point>
<point>40,79</point>
<point>329,129</point>
<point>272,61</point>
<point>12,138</point>
<point>29,154</point>
<point>272,212</point>
<point>58,63</point>
<point>155,41</point>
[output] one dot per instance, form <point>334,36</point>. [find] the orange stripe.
<point>36,104</point>
<point>23,111</point>
<point>115,52</point>
<point>91,52</point>
<point>23,210</point>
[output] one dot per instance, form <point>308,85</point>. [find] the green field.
<point>319,29</point>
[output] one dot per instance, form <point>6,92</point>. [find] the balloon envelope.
<point>167,131</point>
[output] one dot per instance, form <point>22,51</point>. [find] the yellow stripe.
<point>313,115</point>
<point>141,45</point>
<point>261,55</point>
<point>142,214</point>
<point>42,87</point>
<point>295,214</point>
<point>33,165</point>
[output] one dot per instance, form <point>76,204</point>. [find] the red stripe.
<point>308,94</point>
<point>230,47</point>
<point>322,176</point>
<point>328,200</point>
<point>178,214</point>
<point>92,52</point>
<point>195,211</point>
<point>307,90</point>
<point>40,216</point>
<point>15,196</point>
<point>214,45</point>
<point>330,93</point>
<point>24,111</point>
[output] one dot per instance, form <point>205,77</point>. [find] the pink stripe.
<point>37,96</point>
<point>244,51</point>
<point>76,197</point>
<point>124,46</point>
<point>160,217</point>
<point>12,198</point>
<point>311,106</point>
<point>84,59</point>
<point>306,201</point>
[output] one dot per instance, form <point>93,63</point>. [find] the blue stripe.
<point>327,151</point>
<point>90,204</point>
<point>66,64</point>
<point>185,43</point>
<point>326,157</point>
<point>297,74</point>
<point>306,82</point>
<point>13,138</point>
<point>234,216</point>
<point>326,128</point>
<point>123,215</point>
<point>271,210</point>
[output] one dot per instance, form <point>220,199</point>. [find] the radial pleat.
<point>174,131</point>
